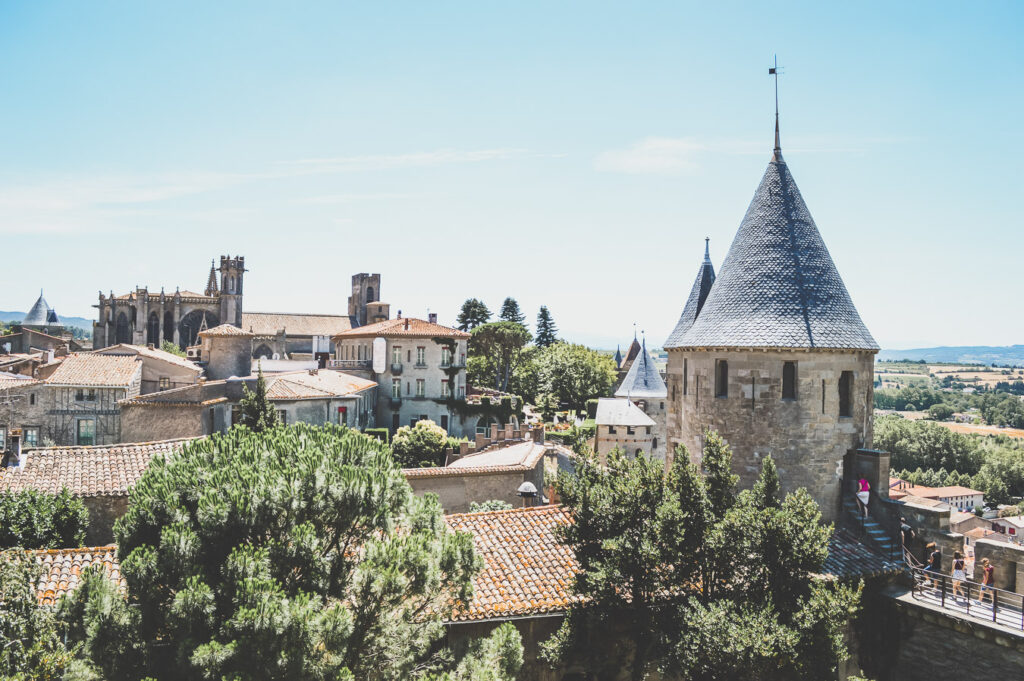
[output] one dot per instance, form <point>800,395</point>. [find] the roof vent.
<point>527,489</point>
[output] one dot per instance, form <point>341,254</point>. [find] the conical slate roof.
<point>778,286</point>
<point>618,356</point>
<point>52,318</point>
<point>643,379</point>
<point>39,313</point>
<point>698,295</point>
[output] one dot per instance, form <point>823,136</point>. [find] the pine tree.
<point>510,312</point>
<point>473,314</point>
<point>296,553</point>
<point>547,332</point>
<point>258,414</point>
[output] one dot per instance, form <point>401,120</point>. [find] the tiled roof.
<point>518,458</point>
<point>152,353</point>
<point>93,369</point>
<point>15,380</point>
<point>225,330</point>
<point>778,286</point>
<point>62,570</point>
<point>849,559</point>
<point>302,385</point>
<point>103,471</point>
<point>643,379</point>
<point>698,295</point>
<point>613,411</point>
<point>407,326</point>
<point>270,323</point>
<point>527,571</point>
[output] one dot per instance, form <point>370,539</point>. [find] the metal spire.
<point>707,249</point>
<point>777,153</point>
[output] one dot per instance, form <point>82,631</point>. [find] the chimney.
<point>432,317</point>
<point>49,356</point>
<point>406,323</point>
<point>399,315</point>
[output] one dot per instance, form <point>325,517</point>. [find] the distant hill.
<point>968,354</point>
<point>77,322</point>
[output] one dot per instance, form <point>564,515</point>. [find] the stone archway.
<point>263,352</point>
<point>192,323</point>
<point>153,329</point>
<point>123,331</point>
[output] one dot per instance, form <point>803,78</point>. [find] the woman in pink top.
<point>863,495</point>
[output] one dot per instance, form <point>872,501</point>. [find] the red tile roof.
<point>104,471</point>
<point>407,326</point>
<point>527,571</point>
<point>302,385</point>
<point>152,353</point>
<point>90,369</point>
<point>225,330</point>
<point>518,458</point>
<point>62,569</point>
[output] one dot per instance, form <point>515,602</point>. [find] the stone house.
<point>160,370</point>
<point>772,353</point>
<point>960,498</point>
<point>100,476</point>
<point>622,425</point>
<point>420,367</point>
<point>644,387</point>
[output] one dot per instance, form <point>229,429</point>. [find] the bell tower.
<point>232,273</point>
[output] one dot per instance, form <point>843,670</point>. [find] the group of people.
<point>959,575</point>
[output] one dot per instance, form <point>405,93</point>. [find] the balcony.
<point>396,368</point>
<point>453,364</point>
<point>343,364</point>
<point>396,402</point>
<point>420,365</point>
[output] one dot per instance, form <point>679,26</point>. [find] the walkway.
<point>1007,604</point>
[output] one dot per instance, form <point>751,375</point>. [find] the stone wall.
<point>641,439</point>
<point>103,513</point>
<point>456,492</point>
<point>150,422</point>
<point>806,436</point>
<point>227,356</point>
<point>1008,561</point>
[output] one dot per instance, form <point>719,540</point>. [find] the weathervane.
<point>775,71</point>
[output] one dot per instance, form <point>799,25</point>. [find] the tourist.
<point>864,495</point>
<point>934,565</point>
<point>987,576</point>
<point>906,533</point>
<point>959,575</point>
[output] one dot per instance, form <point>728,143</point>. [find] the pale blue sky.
<point>568,154</point>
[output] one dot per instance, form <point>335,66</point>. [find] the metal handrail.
<point>1007,606</point>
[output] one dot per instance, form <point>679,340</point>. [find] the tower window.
<point>686,374</point>
<point>721,378</point>
<point>789,380</point>
<point>823,396</point>
<point>846,394</point>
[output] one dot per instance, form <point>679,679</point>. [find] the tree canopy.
<point>37,520</point>
<point>422,444</point>
<point>258,414</point>
<point>496,349</point>
<point>510,312</point>
<point>693,580</point>
<point>473,314</point>
<point>574,373</point>
<point>30,643</point>
<point>547,332</point>
<point>296,553</point>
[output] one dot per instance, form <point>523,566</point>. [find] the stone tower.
<point>644,388</point>
<point>226,352</point>
<point>365,290</point>
<point>232,272</point>
<point>773,354</point>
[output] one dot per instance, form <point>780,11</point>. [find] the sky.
<point>568,154</point>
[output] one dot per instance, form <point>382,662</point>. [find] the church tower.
<point>232,272</point>
<point>772,353</point>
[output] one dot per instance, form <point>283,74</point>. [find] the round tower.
<point>772,353</point>
<point>226,352</point>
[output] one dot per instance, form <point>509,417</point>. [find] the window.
<point>686,374</point>
<point>654,443</point>
<point>721,378</point>
<point>342,416</point>
<point>86,432</point>
<point>823,396</point>
<point>394,421</point>
<point>444,421</point>
<point>846,394</point>
<point>412,422</point>
<point>445,391</point>
<point>396,355</point>
<point>630,430</point>
<point>165,383</point>
<point>789,380</point>
<point>396,387</point>
<point>421,356</point>
<point>446,356</point>
<point>3,439</point>
<point>611,430</point>
<point>31,438</point>
<point>32,398</point>
<point>282,417</point>
<point>421,388</point>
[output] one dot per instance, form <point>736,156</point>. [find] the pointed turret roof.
<point>39,313</point>
<point>643,379</point>
<point>698,295</point>
<point>51,317</point>
<point>778,286</point>
<point>211,281</point>
<point>618,356</point>
<point>633,351</point>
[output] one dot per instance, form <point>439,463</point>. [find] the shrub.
<point>492,505</point>
<point>381,434</point>
<point>37,520</point>
<point>421,444</point>
<point>592,409</point>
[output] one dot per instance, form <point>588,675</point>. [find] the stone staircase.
<point>873,534</point>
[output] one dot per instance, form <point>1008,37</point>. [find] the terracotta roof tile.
<point>270,323</point>
<point>62,570</point>
<point>225,330</point>
<point>93,369</point>
<point>407,326</point>
<point>106,471</point>
<point>302,385</point>
<point>152,353</point>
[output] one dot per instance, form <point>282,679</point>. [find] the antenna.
<point>775,71</point>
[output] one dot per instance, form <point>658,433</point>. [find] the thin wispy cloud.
<point>652,156</point>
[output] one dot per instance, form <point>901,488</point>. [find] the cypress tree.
<point>510,312</point>
<point>258,413</point>
<point>547,332</point>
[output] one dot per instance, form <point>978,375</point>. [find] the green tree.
<point>940,412</point>
<point>926,444</point>
<point>547,332</point>
<point>168,346</point>
<point>473,314</point>
<point>575,373</point>
<point>296,553</point>
<point>38,520</point>
<point>510,312</point>
<point>694,592</point>
<point>423,444</point>
<point>498,348</point>
<point>258,414</point>
<point>492,505</point>
<point>30,643</point>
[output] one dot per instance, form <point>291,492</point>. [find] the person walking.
<point>864,495</point>
<point>959,575</point>
<point>988,573</point>
<point>934,565</point>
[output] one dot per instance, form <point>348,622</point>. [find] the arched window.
<point>789,380</point>
<point>369,294</point>
<point>721,378</point>
<point>123,332</point>
<point>153,329</point>
<point>169,327</point>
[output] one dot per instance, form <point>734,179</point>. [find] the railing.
<point>988,603</point>
<point>396,368</point>
<point>349,364</point>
